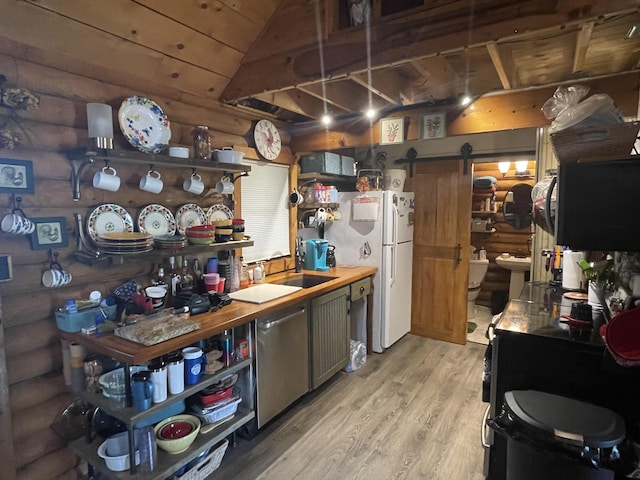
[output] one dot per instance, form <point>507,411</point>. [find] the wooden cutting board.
<point>157,328</point>
<point>264,292</point>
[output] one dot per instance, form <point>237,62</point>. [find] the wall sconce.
<point>521,168</point>
<point>504,167</point>
<point>100,124</point>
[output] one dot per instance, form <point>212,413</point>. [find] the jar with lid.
<point>201,143</point>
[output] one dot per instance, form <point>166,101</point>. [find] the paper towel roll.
<point>571,271</point>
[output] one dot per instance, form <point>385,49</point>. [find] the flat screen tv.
<point>599,205</point>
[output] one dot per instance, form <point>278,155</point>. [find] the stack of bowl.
<point>176,434</point>
<point>200,234</point>
<point>238,229</point>
<point>224,230</point>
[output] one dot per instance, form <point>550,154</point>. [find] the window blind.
<point>265,194</point>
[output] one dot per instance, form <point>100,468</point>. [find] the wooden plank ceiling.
<point>263,57</point>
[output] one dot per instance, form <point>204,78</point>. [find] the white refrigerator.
<point>376,229</point>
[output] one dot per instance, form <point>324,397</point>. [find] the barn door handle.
<point>457,259</point>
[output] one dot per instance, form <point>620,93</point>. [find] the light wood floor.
<point>413,412</point>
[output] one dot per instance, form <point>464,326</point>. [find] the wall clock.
<point>267,139</point>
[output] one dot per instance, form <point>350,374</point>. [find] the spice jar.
<point>201,143</point>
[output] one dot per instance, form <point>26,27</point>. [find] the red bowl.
<point>215,397</point>
<point>175,430</point>
<point>200,235</point>
<point>201,228</point>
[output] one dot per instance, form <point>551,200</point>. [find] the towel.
<point>484,182</point>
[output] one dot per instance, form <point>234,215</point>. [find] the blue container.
<point>74,322</point>
<point>142,390</point>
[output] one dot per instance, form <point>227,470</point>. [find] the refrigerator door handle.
<point>394,263</point>
<point>394,230</point>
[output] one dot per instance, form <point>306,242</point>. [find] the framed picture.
<point>391,131</point>
<point>16,176</point>
<point>49,233</point>
<point>433,126</point>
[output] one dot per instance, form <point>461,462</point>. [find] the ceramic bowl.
<point>175,430</point>
<point>200,229</point>
<point>201,241</point>
<point>222,223</point>
<point>116,463</point>
<point>177,445</point>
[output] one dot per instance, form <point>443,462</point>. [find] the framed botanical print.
<point>50,232</point>
<point>16,176</point>
<point>391,131</point>
<point>433,126</point>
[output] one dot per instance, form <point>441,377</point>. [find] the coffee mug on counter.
<point>17,224</point>
<point>151,182</point>
<point>107,179</point>
<point>194,184</point>
<point>193,364</point>
<point>225,186</point>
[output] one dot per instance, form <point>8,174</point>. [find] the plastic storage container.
<point>323,162</point>
<point>74,322</point>
<point>555,437</point>
<point>348,165</point>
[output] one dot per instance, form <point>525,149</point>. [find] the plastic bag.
<point>357,357</point>
<point>567,109</point>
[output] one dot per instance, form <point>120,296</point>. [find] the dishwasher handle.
<point>267,325</point>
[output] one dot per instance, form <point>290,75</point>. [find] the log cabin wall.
<point>505,238</point>
<point>37,390</point>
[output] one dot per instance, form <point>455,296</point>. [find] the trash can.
<point>554,438</point>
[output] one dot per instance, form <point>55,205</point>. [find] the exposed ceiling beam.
<point>343,95</point>
<point>295,101</point>
<point>496,59</point>
<point>582,45</point>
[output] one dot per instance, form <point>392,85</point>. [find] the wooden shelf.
<point>107,260</point>
<point>327,177</point>
<point>82,157</point>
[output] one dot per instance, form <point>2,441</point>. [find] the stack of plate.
<point>122,243</point>
<point>170,242</point>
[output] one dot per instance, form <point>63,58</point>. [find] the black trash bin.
<point>556,438</point>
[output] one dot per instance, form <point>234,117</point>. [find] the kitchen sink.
<point>304,280</point>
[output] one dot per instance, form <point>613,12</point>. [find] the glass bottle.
<point>187,275</point>
<point>201,143</point>
<point>233,283</point>
<point>244,273</point>
<point>174,284</point>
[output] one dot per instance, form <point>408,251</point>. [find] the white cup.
<point>107,181</point>
<point>225,186</point>
<point>295,197</point>
<point>55,277</point>
<point>321,215</point>
<point>176,376</point>
<point>17,224</point>
<point>151,182</point>
<point>159,380</point>
<point>194,184</point>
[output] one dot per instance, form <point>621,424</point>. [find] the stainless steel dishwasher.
<point>282,361</point>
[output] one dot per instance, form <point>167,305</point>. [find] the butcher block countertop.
<point>212,323</point>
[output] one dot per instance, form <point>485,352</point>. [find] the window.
<point>265,209</point>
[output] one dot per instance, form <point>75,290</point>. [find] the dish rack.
<point>208,464</point>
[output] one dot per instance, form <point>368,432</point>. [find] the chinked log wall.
<point>37,392</point>
<point>505,238</point>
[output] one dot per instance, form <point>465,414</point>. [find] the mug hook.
<point>53,257</point>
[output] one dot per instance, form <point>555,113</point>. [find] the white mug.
<point>159,380</point>
<point>151,182</point>
<point>194,184</point>
<point>55,277</point>
<point>17,224</point>
<point>321,215</point>
<point>176,375</point>
<point>296,198</point>
<point>107,181</point>
<point>225,186</point>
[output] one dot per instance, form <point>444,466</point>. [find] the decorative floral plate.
<point>156,220</point>
<point>144,124</point>
<point>218,212</point>
<point>189,215</point>
<point>108,218</point>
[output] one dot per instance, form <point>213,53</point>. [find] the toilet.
<point>477,271</point>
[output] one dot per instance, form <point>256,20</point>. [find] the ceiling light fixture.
<point>504,167</point>
<point>326,119</point>
<point>370,113</point>
<point>466,100</point>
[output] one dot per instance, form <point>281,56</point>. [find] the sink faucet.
<point>297,256</point>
